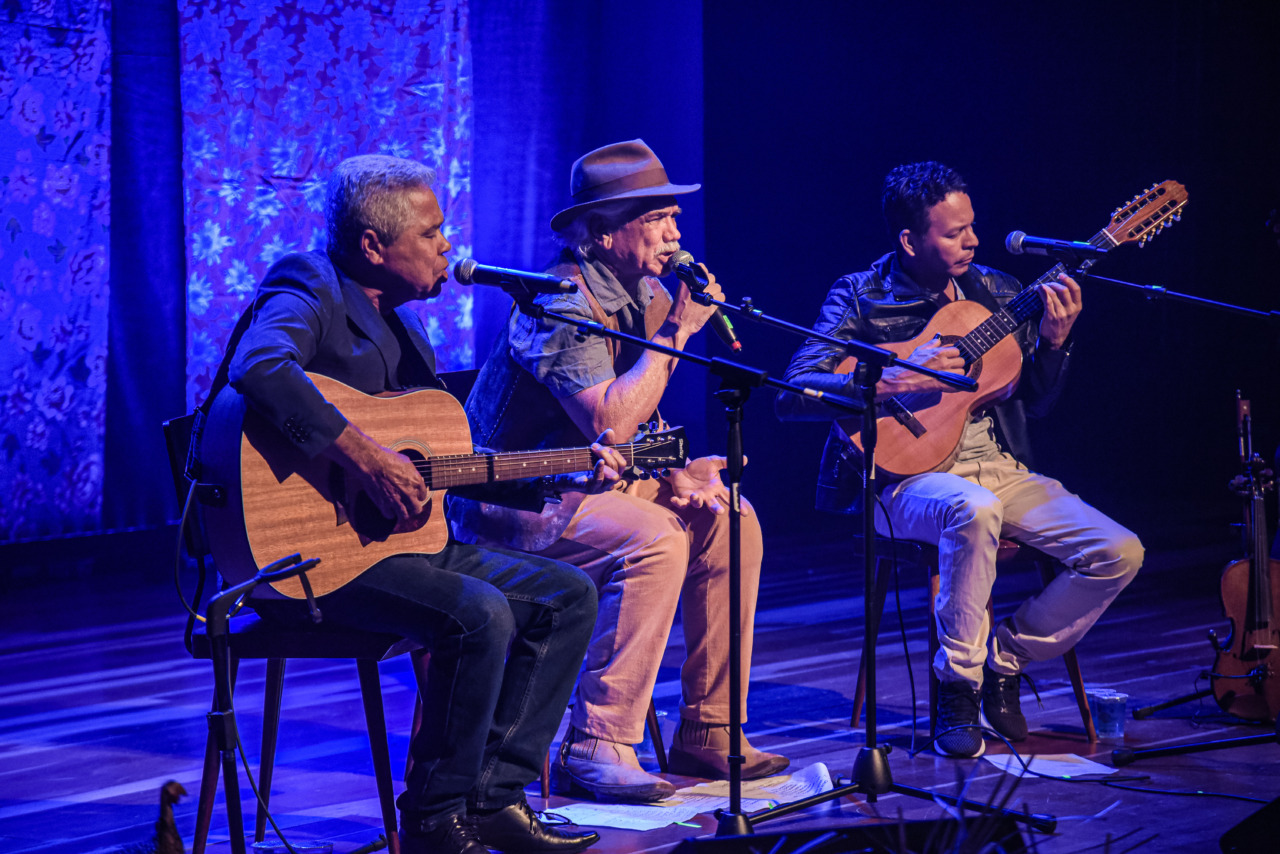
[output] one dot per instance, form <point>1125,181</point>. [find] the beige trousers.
<point>966,511</point>
<point>646,557</point>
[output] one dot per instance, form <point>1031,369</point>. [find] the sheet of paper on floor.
<point>1052,764</point>
<point>703,798</point>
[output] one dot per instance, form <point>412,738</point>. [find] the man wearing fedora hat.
<point>653,544</point>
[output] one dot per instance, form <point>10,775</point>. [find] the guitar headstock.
<point>660,449</point>
<point>1147,214</point>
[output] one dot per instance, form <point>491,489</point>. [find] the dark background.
<point>790,115</point>
<point>1054,117</point>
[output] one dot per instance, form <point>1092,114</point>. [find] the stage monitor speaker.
<point>908,837</point>
<point>1258,832</point>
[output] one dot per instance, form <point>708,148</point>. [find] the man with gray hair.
<point>506,630</point>
<point>653,544</point>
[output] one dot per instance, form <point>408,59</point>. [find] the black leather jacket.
<point>883,304</point>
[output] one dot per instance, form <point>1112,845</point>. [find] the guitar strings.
<point>462,469</point>
<point>1017,311</point>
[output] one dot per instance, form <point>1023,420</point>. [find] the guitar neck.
<point>1024,307</point>
<point>445,472</point>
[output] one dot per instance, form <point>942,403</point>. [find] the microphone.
<point>514,282</point>
<point>683,265</point>
<point>1018,243</point>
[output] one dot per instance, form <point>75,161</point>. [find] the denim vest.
<point>510,410</point>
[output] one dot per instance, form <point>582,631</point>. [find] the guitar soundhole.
<point>366,518</point>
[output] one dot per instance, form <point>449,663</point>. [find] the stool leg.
<point>272,693</point>
<point>420,658</point>
<point>209,777</point>
<point>544,782</point>
<point>1073,666</point>
<point>655,734</point>
<point>1082,701</point>
<point>376,722</point>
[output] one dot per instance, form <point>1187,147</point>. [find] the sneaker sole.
<point>941,751</point>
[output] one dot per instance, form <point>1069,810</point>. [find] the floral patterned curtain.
<point>273,96</point>
<point>55,77</point>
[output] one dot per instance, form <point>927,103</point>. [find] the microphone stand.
<point>872,776</point>
<point>737,380</point>
<point>1156,292</point>
<point>222,720</point>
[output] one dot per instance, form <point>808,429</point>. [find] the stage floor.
<point>101,705</point>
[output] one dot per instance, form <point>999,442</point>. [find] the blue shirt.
<point>550,350</point>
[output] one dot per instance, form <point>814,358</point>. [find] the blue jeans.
<point>507,634</point>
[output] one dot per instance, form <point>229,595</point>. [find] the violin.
<point>1245,678</point>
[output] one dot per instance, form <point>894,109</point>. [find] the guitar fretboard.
<point>1027,305</point>
<point>448,471</point>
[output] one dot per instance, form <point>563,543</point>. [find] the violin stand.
<point>1256,481</point>
<point>1125,755</point>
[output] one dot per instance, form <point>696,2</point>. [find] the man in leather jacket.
<point>986,492</point>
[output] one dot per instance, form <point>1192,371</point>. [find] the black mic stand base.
<point>873,778</point>
<point>871,774</point>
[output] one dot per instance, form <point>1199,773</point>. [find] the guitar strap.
<point>220,378</point>
<point>201,412</point>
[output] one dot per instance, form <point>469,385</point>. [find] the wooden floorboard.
<point>101,705</point>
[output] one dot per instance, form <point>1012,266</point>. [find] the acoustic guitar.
<point>921,432</point>
<point>278,501</point>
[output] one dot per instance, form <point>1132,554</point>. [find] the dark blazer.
<point>310,316</point>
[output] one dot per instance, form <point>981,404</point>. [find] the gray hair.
<point>368,191</point>
<point>577,234</point>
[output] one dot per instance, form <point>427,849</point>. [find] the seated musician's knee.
<point>484,615</point>
<point>979,511</point>
<point>1119,557</point>
<point>1129,554</point>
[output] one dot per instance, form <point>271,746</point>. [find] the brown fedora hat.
<point>623,170</point>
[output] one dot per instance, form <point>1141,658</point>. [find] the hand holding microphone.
<point>688,271</point>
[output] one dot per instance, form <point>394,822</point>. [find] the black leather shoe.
<point>454,835</point>
<point>517,830</point>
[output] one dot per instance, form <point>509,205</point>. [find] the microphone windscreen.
<point>464,270</point>
<point>1013,243</point>
<point>682,257</point>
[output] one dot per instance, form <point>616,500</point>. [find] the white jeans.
<point>966,511</point>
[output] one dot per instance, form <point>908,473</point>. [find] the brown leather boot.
<point>604,770</point>
<point>702,750</point>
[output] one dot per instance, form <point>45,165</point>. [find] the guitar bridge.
<point>905,417</point>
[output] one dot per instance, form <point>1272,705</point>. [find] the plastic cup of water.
<point>1108,709</point>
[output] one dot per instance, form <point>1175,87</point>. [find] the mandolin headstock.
<point>1146,215</point>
